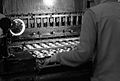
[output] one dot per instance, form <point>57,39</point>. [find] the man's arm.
<point>87,43</point>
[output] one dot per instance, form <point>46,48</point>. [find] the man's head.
<point>5,24</point>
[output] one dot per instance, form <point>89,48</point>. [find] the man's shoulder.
<point>99,7</point>
<point>1,15</point>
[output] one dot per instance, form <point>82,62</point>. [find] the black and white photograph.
<point>59,40</point>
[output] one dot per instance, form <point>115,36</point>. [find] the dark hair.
<point>5,24</point>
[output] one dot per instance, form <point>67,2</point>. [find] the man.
<point>100,37</point>
<point>5,24</point>
<point>1,35</point>
<point>1,16</point>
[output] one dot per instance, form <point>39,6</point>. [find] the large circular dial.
<point>17,27</point>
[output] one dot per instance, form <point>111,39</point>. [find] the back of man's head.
<point>5,24</point>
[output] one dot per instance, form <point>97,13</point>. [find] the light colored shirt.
<point>99,37</point>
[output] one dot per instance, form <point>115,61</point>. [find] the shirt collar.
<point>102,1</point>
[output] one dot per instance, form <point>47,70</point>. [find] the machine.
<point>39,31</point>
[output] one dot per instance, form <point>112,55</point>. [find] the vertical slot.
<point>38,21</point>
<point>26,22</point>
<point>51,21</point>
<point>69,20</point>
<point>57,21</point>
<point>32,23</point>
<point>79,20</point>
<point>45,22</point>
<point>74,20</point>
<point>63,21</point>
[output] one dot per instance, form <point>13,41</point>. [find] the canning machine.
<point>37,34</point>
